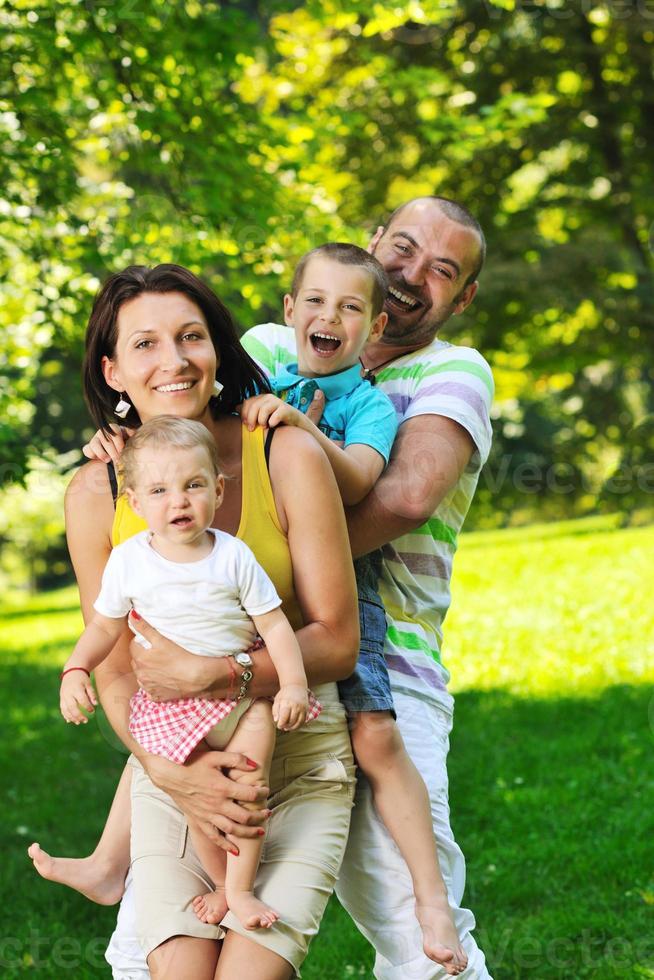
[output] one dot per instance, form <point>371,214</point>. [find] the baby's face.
<point>176,492</point>
<point>332,316</point>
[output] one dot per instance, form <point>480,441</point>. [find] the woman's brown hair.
<point>237,372</point>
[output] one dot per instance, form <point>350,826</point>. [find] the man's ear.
<point>378,327</point>
<point>111,374</point>
<point>220,489</point>
<point>374,241</point>
<point>132,500</point>
<point>288,310</point>
<point>465,298</point>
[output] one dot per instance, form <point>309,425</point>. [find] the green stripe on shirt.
<point>411,641</point>
<point>437,530</point>
<point>466,367</point>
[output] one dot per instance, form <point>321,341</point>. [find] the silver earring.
<point>217,388</point>
<point>123,407</point>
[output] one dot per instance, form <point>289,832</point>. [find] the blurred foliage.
<point>231,136</point>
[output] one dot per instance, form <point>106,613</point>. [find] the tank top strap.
<point>258,500</point>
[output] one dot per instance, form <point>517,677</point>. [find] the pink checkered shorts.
<point>173,728</point>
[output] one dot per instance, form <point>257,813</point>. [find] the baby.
<point>203,589</point>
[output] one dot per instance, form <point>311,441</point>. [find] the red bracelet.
<point>68,670</point>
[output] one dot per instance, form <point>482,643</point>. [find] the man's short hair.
<point>163,432</point>
<point>455,212</point>
<point>347,254</point>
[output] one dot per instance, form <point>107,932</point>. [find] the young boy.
<point>335,307</point>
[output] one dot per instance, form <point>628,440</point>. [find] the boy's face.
<point>332,316</point>
<point>176,492</point>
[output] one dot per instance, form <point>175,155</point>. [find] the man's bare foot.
<point>211,907</point>
<point>440,939</point>
<point>96,879</point>
<point>250,912</point>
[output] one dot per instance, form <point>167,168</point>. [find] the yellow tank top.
<point>259,526</point>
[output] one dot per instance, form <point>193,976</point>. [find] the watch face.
<point>243,659</point>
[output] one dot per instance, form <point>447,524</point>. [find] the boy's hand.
<point>290,707</point>
<point>107,448</point>
<point>77,692</point>
<point>268,410</point>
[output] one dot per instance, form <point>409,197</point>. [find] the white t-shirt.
<point>205,606</point>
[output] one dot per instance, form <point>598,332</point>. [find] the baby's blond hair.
<point>163,432</point>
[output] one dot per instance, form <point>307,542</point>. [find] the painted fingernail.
<point>261,831</point>
<point>134,614</point>
<point>235,853</point>
<point>251,762</point>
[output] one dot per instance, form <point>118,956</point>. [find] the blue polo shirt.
<point>355,411</point>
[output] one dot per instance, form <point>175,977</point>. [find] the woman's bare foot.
<point>250,912</point>
<point>211,907</point>
<point>95,878</point>
<point>440,939</point>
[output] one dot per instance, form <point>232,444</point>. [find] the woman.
<point>157,342</point>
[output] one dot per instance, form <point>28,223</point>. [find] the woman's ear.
<point>110,373</point>
<point>288,310</point>
<point>378,327</point>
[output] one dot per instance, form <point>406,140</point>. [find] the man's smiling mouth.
<point>401,300</point>
<point>325,343</point>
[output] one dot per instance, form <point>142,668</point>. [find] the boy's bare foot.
<point>211,907</point>
<point>250,912</point>
<point>440,939</point>
<point>96,879</point>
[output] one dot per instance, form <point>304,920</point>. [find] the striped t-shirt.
<point>439,379</point>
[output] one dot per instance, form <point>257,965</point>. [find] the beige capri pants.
<point>312,782</point>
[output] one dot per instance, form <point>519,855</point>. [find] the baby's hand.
<point>290,707</point>
<point>107,448</point>
<point>76,692</point>
<point>271,411</point>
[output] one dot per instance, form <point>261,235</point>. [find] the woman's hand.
<point>107,448</point>
<point>165,670</point>
<point>203,789</point>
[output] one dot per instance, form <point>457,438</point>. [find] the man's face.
<point>428,258</point>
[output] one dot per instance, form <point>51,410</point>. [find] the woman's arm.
<point>201,788</point>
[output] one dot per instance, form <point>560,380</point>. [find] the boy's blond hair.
<point>166,431</point>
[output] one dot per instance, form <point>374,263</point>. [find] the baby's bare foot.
<point>250,912</point>
<point>211,907</point>
<point>95,878</point>
<point>440,939</point>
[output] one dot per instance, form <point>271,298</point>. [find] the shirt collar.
<point>333,385</point>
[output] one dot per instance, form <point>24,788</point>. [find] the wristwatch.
<point>245,661</point>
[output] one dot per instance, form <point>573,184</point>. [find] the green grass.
<point>550,644</point>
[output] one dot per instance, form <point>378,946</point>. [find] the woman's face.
<point>165,359</point>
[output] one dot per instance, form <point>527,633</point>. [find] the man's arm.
<point>429,455</point>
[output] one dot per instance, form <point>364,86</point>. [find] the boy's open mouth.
<point>181,521</point>
<point>324,343</point>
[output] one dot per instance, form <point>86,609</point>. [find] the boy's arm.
<point>291,701</point>
<point>356,468</point>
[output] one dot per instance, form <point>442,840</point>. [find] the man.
<point>432,250</point>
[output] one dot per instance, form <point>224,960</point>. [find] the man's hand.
<point>203,789</point>
<point>290,707</point>
<point>270,411</point>
<point>77,692</point>
<point>165,670</point>
<point>107,448</point>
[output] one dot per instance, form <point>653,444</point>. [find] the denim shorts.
<point>369,687</point>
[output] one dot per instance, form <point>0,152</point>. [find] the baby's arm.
<point>356,468</point>
<point>95,643</point>
<point>292,700</point>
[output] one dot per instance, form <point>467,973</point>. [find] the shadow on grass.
<point>552,802</point>
<point>8,612</point>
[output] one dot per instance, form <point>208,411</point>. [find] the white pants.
<point>375,886</point>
